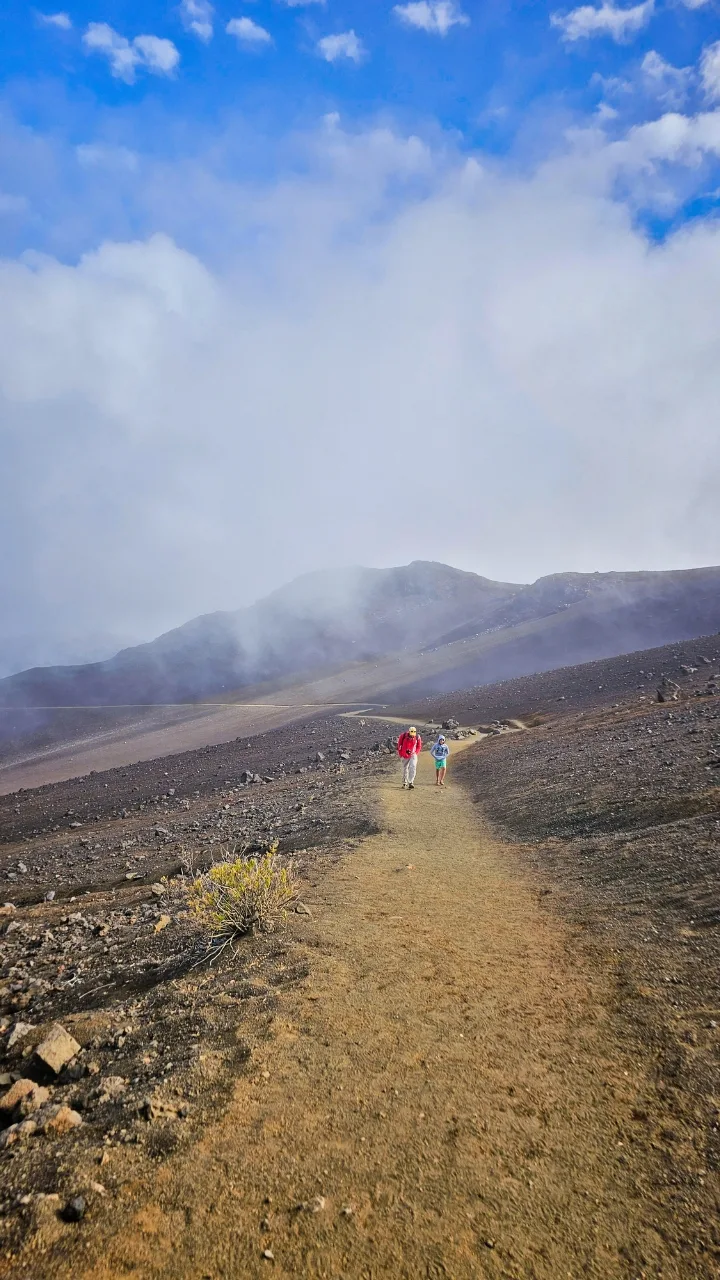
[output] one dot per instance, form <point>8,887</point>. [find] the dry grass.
<point>241,894</point>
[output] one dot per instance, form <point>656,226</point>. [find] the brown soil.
<point>444,1094</point>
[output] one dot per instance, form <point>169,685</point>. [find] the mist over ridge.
<point>460,626</point>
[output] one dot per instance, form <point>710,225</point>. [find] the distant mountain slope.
<point>368,633</point>
<point>620,613</point>
<point>323,620</point>
<point>625,678</point>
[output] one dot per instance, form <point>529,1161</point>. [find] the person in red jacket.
<point>409,747</point>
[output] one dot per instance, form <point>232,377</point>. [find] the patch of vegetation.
<point>241,894</point>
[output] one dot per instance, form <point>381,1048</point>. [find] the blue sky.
<point>284,271</point>
<point>501,77</point>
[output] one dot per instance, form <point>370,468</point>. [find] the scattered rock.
<point>57,1120</point>
<point>19,1031</point>
<point>111,1088</point>
<point>8,909</point>
<point>158,890</point>
<point>23,1098</point>
<point>75,1209</point>
<point>162,923</point>
<point>17,1132</point>
<point>57,1049</point>
<point>156,1108</point>
<point>451,724</point>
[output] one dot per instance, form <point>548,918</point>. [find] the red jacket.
<point>409,745</point>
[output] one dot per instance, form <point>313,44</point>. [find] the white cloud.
<point>344,45</point>
<point>61,20</point>
<point>669,85</point>
<point>299,4</point>
<point>248,32</point>
<point>159,408</point>
<point>607,20</point>
<point>436,16</point>
<point>694,4</point>
<point>710,71</point>
<point>152,52</point>
<point>157,54</point>
<point>197,16</point>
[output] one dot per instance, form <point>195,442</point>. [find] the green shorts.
<point>440,764</point>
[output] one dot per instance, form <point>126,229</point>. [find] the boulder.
<point>56,1121</point>
<point>23,1098</point>
<point>57,1049</point>
<point>451,724</point>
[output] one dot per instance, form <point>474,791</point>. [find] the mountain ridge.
<point>330,618</point>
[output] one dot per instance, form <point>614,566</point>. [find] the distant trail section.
<point>442,1096</point>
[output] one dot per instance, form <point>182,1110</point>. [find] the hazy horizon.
<point>77,650</point>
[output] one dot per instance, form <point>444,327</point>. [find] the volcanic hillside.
<point>467,629</point>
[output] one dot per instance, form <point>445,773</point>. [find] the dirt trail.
<point>440,1097</point>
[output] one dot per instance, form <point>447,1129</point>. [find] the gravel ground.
<point>91,941</point>
<point>616,812</point>
<point>631,678</point>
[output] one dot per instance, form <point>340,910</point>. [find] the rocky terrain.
<point>151,1031</point>
<point>616,813</point>
<point>121,1031</point>
<point>628,678</point>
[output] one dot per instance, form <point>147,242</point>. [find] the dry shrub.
<point>241,894</point>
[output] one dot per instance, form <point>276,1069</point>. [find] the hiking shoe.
<point>411,786</point>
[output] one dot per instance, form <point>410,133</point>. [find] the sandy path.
<point>444,1081</point>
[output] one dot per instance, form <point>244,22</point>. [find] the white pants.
<point>409,769</point>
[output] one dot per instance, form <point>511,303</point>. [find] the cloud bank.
<point>395,351</point>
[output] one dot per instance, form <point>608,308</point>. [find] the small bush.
<point>241,894</point>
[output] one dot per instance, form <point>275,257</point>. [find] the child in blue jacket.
<point>440,752</point>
